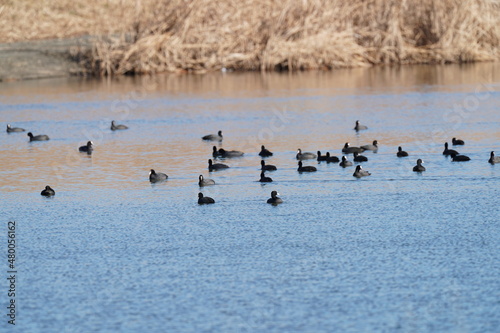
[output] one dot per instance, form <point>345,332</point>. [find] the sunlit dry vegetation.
<point>23,20</point>
<point>145,36</point>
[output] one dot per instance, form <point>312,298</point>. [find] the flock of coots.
<point>359,172</point>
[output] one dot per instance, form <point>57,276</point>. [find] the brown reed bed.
<point>139,36</point>
<point>24,20</point>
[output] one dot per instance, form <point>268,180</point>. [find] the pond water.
<point>394,252</point>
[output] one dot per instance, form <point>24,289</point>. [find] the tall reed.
<point>207,35</point>
<point>23,20</point>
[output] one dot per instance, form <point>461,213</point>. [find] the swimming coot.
<point>155,177</point>
<point>213,137</point>
<point>457,142</point>
<point>359,172</point>
<point>401,152</point>
<point>373,146</point>
<point>349,150</point>
<point>264,179</point>
<point>459,158</point>
<point>228,153</point>
<point>419,167</point>
<point>345,163</point>
<point>305,168</point>
<point>359,127</point>
<point>48,191</point>
<point>264,152</point>
<point>494,159</point>
<point>87,148</point>
<point>41,137</point>
<point>274,200</point>
<point>267,167</point>
<point>359,158</point>
<point>205,182</point>
<point>204,200</point>
<point>321,157</point>
<point>115,127</point>
<point>448,152</point>
<point>331,159</point>
<point>304,156</point>
<point>215,152</point>
<point>216,166</point>
<point>14,129</point>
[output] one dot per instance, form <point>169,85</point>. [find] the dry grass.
<point>207,35</point>
<point>24,20</point>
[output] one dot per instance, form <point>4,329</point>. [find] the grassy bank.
<point>205,35</point>
<point>24,20</point>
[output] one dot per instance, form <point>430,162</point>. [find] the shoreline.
<point>40,59</point>
<point>64,58</point>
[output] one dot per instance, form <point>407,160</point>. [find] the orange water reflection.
<point>168,114</point>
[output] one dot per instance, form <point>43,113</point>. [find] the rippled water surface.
<point>394,252</point>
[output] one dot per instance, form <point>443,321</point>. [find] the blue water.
<point>394,252</point>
